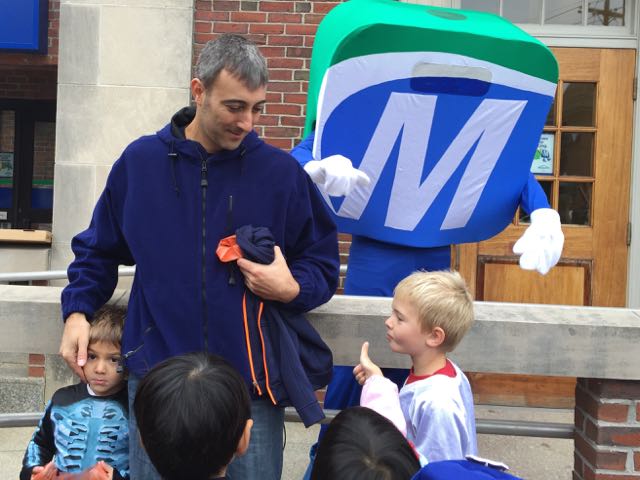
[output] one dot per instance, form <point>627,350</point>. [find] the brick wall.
<point>607,420</point>
<point>44,150</point>
<point>7,128</point>
<point>34,83</point>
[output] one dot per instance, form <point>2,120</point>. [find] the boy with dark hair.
<point>193,414</point>
<point>362,444</point>
<point>85,426</point>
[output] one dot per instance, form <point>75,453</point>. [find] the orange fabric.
<point>246,333</point>
<point>228,250</point>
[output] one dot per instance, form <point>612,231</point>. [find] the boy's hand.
<point>75,339</point>
<point>100,471</point>
<point>48,472</point>
<point>366,368</point>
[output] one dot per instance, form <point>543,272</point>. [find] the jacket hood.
<point>173,134</point>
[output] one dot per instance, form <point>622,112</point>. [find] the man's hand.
<point>75,340</point>
<point>336,175</point>
<point>541,245</point>
<point>270,282</point>
<point>48,472</point>
<point>366,368</point>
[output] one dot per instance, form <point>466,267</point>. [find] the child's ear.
<point>243,444</point>
<point>435,337</point>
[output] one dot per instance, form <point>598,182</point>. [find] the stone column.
<point>607,439</point>
<point>124,69</point>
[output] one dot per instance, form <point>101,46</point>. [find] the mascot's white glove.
<point>335,175</point>
<point>541,245</point>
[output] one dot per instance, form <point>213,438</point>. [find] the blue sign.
<point>24,25</point>
<point>448,157</point>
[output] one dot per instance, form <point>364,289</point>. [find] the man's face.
<point>226,112</point>
<point>101,368</point>
<point>403,328</point>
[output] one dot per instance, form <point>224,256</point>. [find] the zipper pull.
<point>232,277</point>
<point>203,178</point>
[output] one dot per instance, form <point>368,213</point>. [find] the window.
<point>605,13</point>
<point>27,144</point>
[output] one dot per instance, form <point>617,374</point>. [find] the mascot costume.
<point>421,127</point>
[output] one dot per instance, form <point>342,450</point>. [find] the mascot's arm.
<point>541,245</point>
<point>334,175</point>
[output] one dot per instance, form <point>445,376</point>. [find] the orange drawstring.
<point>246,333</point>
<point>264,355</point>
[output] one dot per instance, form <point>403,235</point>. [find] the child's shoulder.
<point>74,393</point>
<point>70,394</point>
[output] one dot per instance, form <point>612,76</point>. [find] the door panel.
<point>589,135</point>
<point>566,284</point>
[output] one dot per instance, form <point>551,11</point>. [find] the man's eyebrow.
<point>234,101</point>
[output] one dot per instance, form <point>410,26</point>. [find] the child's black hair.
<point>361,444</point>
<point>191,412</point>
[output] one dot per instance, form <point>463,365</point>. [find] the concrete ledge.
<point>506,338</point>
<point>21,394</point>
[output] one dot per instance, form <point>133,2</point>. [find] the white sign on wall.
<point>543,158</point>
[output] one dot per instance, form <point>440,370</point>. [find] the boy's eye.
<point>91,356</point>
<point>115,359</point>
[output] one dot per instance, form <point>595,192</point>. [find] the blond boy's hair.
<point>442,300</point>
<point>107,325</point>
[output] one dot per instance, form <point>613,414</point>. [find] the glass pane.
<point>563,12</point>
<point>547,187</point>
<point>7,140</point>
<point>489,6</point>
<point>551,116</point>
<point>522,11</point>
<point>606,12</point>
<point>574,203</point>
<point>579,104</point>
<point>576,154</point>
<point>44,140</point>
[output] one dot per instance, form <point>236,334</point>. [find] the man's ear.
<point>197,91</point>
<point>243,444</point>
<point>435,338</point>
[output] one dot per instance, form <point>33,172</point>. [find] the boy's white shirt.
<point>438,413</point>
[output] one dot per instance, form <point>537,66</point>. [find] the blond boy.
<point>85,428</point>
<point>431,312</point>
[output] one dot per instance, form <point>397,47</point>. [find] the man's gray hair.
<point>235,54</point>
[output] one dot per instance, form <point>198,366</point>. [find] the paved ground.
<point>530,458</point>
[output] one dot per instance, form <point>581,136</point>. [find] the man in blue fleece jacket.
<point>169,199</point>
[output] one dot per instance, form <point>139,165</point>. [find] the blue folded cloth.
<point>462,470</point>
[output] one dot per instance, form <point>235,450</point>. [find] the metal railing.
<point>518,428</point>
<point>52,275</point>
<point>62,274</point>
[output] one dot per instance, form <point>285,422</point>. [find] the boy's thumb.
<point>364,353</point>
